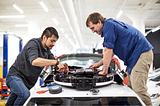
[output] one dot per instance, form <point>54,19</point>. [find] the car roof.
<point>153,75</point>
<point>155,71</point>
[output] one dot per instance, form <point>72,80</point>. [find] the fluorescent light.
<point>17,8</point>
<point>13,16</point>
<point>43,6</point>
<point>62,30</point>
<point>64,11</point>
<point>55,21</point>
<point>155,29</point>
<point>119,14</point>
<point>66,35</point>
<point>21,25</point>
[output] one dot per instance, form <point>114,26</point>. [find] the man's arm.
<point>107,56</point>
<point>96,65</point>
<point>47,62</point>
<point>43,62</point>
<point>100,62</point>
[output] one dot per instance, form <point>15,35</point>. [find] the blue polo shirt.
<point>127,42</point>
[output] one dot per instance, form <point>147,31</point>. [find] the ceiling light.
<point>17,8</point>
<point>55,21</point>
<point>64,11</point>
<point>43,6</point>
<point>21,25</point>
<point>119,14</point>
<point>62,30</point>
<point>13,16</point>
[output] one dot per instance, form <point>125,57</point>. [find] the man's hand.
<point>61,67</point>
<point>46,67</point>
<point>66,68</point>
<point>108,53</point>
<point>94,65</point>
<point>103,72</point>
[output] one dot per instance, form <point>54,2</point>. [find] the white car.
<point>154,89</point>
<point>154,73</point>
<point>82,86</point>
<point>108,95</point>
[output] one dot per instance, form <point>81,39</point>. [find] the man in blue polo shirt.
<point>26,69</point>
<point>130,45</point>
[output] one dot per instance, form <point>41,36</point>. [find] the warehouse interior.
<point>69,18</point>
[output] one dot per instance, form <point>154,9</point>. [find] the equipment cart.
<point>4,87</point>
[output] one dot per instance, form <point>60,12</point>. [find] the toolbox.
<point>4,88</point>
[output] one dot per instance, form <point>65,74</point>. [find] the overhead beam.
<point>69,11</point>
<point>149,4</point>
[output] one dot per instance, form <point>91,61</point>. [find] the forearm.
<point>43,62</point>
<point>108,54</point>
<point>100,62</point>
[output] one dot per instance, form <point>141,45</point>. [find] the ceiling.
<point>80,37</point>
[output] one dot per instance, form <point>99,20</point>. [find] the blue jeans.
<point>19,92</point>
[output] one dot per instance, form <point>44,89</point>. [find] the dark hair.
<point>49,31</point>
<point>94,18</point>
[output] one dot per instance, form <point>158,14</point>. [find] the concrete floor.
<point>3,101</point>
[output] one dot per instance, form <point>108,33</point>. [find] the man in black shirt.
<point>26,69</point>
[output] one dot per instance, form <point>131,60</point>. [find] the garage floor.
<point>3,101</point>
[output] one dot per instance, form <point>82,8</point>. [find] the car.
<point>82,86</point>
<point>154,89</point>
<point>154,73</point>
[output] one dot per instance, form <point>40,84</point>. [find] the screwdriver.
<point>42,91</point>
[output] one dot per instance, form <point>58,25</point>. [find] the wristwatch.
<point>57,63</point>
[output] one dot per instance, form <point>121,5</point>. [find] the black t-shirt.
<point>23,68</point>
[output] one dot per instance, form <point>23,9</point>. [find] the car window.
<point>84,60</point>
<point>81,60</point>
<point>85,101</point>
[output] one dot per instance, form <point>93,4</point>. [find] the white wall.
<point>13,49</point>
<point>1,56</point>
<point>1,49</point>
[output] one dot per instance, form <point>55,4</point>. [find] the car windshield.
<point>85,101</point>
<point>81,60</point>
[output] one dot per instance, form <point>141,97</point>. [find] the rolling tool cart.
<point>4,87</point>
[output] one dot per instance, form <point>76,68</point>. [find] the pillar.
<point>138,21</point>
<point>5,55</point>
